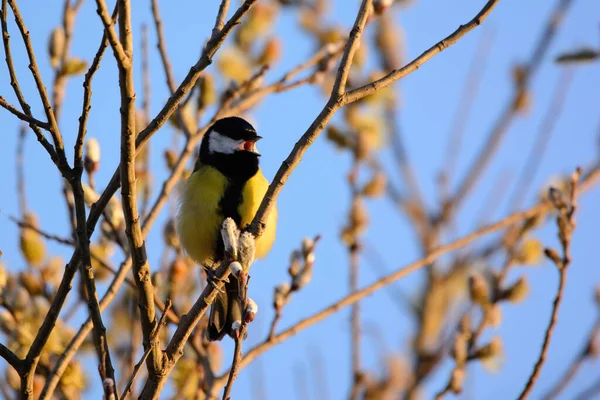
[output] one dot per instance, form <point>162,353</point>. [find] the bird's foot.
<point>214,280</point>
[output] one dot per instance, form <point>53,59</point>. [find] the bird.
<point>226,182</point>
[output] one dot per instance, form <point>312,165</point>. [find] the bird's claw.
<point>214,280</point>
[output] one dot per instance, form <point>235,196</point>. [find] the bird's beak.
<point>250,145</point>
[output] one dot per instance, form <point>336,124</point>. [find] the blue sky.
<point>316,197</point>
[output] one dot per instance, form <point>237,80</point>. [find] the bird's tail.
<point>225,310</point>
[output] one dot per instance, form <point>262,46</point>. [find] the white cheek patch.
<point>219,143</point>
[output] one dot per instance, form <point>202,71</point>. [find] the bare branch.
<point>23,117</point>
<point>141,267</point>
<point>221,15</point>
<point>540,209</point>
<point>336,100</point>
<point>235,364</point>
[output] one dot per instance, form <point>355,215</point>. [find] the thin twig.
<point>109,29</point>
<point>584,354</point>
<point>235,364</point>
<point>221,15</point>
<point>566,225</point>
<point>23,117</point>
<point>336,100</point>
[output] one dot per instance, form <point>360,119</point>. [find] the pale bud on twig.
<point>7,322</point>
<point>230,234</point>
<point>558,199</point>
<point>307,246</point>
<point>295,263</point>
<point>236,268</point>
<point>457,380</point>
<point>251,310</point>
<point>302,279</point>
<point>246,249</point>
<point>553,255</point>
<point>479,290</point>
<point>235,329</point>
<point>381,5</point>
<point>91,161</point>
<point>280,296</point>
<point>109,387</point>
<point>56,46</point>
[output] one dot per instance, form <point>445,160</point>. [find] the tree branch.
<point>23,117</point>
<point>336,100</point>
<point>540,209</point>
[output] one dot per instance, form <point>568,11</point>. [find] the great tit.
<point>226,183</point>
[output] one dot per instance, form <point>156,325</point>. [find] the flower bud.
<point>207,93</point>
<point>457,380</point>
<point>479,290</point>
<point>32,246</point>
<point>236,268</point>
<point>170,235</point>
<point>517,292</point>
<point>376,186</point>
<point>74,66</point>
<point>170,158</point>
<point>281,295</point>
<point>56,46</point>
<point>553,256</point>
<point>302,279</point>
<point>530,252</point>
<point>295,263</point>
<point>251,310</point>
<point>91,161</point>
<point>235,329</point>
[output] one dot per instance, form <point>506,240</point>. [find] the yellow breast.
<point>199,218</point>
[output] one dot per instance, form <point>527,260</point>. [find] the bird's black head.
<point>230,146</point>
